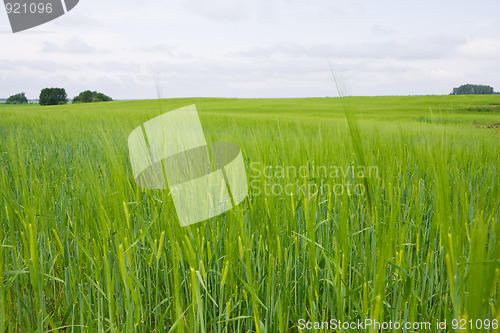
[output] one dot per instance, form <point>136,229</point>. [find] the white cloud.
<point>264,48</point>
<point>73,45</point>
<point>481,48</point>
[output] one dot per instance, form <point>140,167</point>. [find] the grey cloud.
<point>49,47</point>
<point>33,65</point>
<point>74,46</point>
<point>382,30</point>
<point>115,66</point>
<point>29,82</point>
<point>231,71</point>
<point>159,48</point>
<point>219,10</point>
<point>77,45</point>
<point>429,48</point>
<point>6,64</point>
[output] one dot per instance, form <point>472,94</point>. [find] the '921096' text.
<point>28,8</point>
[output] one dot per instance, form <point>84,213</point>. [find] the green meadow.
<point>381,208</point>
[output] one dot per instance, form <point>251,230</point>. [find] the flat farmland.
<point>362,208</point>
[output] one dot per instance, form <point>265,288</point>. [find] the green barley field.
<point>363,208</point>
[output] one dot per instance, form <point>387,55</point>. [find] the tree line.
<point>58,96</point>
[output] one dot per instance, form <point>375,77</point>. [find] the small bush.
<point>88,96</point>
<point>17,99</point>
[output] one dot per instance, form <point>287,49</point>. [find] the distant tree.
<point>472,89</point>
<point>53,96</point>
<point>17,99</point>
<point>88,96</point>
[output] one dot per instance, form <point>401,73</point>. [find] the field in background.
<point>83,249</point>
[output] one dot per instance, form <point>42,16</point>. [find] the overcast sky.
<point>258,48</point>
